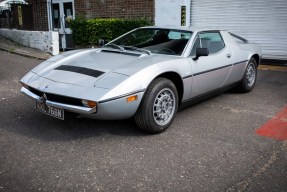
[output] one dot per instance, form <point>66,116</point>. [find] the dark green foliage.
<point>89,31</point>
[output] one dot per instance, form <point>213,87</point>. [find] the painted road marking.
<point>275,128</point>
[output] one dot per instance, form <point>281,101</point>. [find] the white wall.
<point>47,41</point>
<point>168,12</point>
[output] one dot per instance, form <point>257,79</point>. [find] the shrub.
<point>89,31</point>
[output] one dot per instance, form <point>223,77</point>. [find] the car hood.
<point>95,67</point>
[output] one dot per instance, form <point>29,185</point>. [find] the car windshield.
<point>160,41</point>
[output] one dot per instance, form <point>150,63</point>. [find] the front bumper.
<point>113,109</point>
<point>71,108</point>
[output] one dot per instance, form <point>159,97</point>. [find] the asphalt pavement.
<point>212,146</point>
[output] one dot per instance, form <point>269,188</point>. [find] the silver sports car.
<point>147,73</point>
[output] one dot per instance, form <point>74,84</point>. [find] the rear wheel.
<point>158,107</point>
<point>249,79</point>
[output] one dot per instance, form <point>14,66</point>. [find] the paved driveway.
<point>210,146</point>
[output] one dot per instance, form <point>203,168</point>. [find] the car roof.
<point>186,28</point>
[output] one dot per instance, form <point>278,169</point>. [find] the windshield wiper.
<point>114,46</point>
<point>124,47</point>
<point>137,49</point>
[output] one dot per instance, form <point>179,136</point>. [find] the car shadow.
<point>30,123</point>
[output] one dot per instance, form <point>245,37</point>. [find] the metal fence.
<point>6,19</point>
<point>6,22</point>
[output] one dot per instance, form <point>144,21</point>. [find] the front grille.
<point>57,98</point>
<point>35,91</point>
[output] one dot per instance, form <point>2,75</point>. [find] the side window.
<point>210,40</point>
<point>178,35</point>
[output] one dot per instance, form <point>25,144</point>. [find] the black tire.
<point>249,78</point>
<point>158,106</point>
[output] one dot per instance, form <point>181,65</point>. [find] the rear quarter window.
<point>238,39</point>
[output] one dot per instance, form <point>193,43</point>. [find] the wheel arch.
<point>177,80</point>
<point>257,59</point>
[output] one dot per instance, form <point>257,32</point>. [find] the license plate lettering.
<point>55,112</point>
<point>40,107</point>
<point>49,110</point>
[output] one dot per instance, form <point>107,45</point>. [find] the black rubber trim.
<point>240,62</point>
<point>200,73</point>
<point>122,53</point>
<point>187,76</point>
<point>212,70</point>
<point>121,96</point>
<point>82,70</point>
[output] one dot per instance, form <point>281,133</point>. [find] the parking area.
<point>215,145</point>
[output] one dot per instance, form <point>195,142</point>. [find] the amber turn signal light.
<point>90,104</point>
<point>132,98</point>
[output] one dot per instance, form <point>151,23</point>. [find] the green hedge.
<point>89,31</point>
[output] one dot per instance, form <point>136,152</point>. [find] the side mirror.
<point>201,52</point>
<point>102,42</point>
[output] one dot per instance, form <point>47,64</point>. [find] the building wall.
<point>42,40</point>
<point>115,8</point>
<point>40,15</point>
<point>168,13</point>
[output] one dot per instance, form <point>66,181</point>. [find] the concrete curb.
<point>22,54</point>
<point>15,48</point>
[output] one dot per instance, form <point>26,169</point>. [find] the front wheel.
<point>158,107</point>
<point>249,79</point>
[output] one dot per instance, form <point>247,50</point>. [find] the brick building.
<point>37,12</point>
<point>45,11</point>
<point>115,8</point>
<point>51,15</point>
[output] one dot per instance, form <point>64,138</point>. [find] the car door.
<point>209,72</point>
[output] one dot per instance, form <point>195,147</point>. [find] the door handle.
<point>228,55</point>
